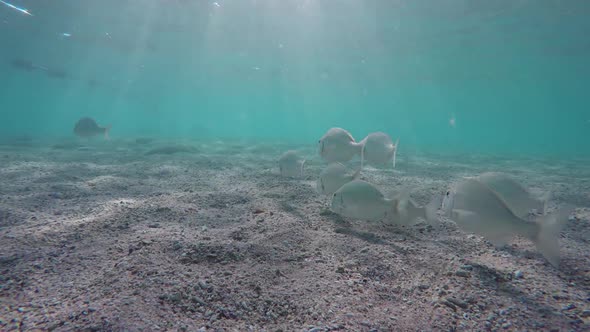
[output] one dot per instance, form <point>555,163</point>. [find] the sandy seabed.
<point>149,236</point>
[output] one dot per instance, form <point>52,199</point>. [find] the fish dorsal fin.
<point>502,177</point>
<point>349,135</point>
<point>368,188</point>
<point>500,198</point>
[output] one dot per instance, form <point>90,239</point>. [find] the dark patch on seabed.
<point>205,236</point>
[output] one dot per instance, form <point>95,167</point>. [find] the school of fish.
<point>493,204</point>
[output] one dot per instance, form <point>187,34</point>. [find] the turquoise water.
<point>513,74</point>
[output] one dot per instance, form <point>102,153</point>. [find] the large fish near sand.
<point>361,200</point>
<point>476,208</point>
<point>519,199</point>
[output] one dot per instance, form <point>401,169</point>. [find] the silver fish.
<point>361,200</point>
<point>291,164</point>
<point>478,209</point>
<point>338,145</point>
<point>518,198</point>
<point>378,148</point>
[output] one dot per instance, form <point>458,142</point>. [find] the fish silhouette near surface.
<point>57,73</point>
<point>30,66</point>
<point>26,65</point>
<point>86,127</point>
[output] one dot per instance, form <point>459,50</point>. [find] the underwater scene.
<point>294,165</point>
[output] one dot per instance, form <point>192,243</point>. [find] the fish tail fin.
<point>357,174</point>
<point>447,204</point>
<point>107,129</point>
<point>430,211</point>
<point>547,238</point>
<point>399,206</point>
<point>302,164</point>
<point>543,201</point>
<point>395,151</point>
<point>408,211</point>
<point>415,212</point>
<point>362,155</point>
